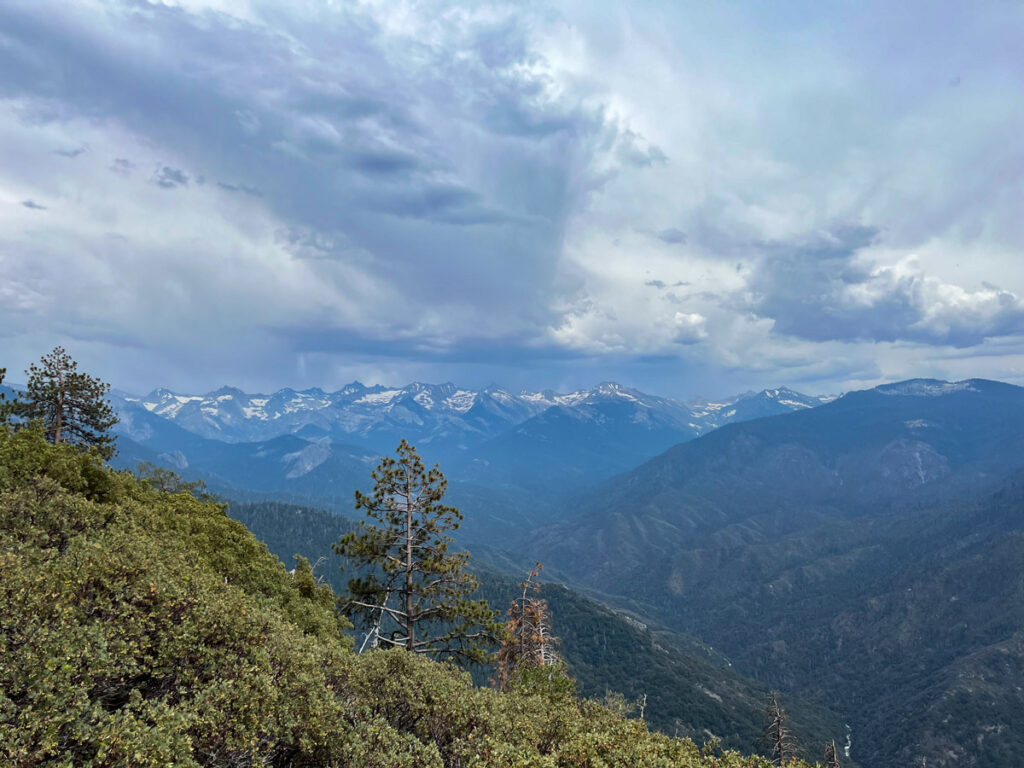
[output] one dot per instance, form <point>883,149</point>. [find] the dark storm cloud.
<point>342,129</point>
<point>819,289</point>
<point>383,162</point>
<point>506,350</point>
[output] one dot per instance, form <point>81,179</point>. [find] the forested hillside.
<point>144,628</point>
<point>868,553</point>
<point>689,691</point>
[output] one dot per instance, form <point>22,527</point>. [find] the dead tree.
<point>528,640</point>
<point>777,736</point>
<point>832,756</point>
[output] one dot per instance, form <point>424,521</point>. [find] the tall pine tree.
<point>412,592</point>
<point>72,406</point>
<point>6,407</point>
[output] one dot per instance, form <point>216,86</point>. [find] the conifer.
<point>72,406</point>
<point>4,405</point>
<point>412,593</point>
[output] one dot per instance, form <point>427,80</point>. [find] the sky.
<point>688,198</point>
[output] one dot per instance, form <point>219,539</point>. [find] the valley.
<point>863,554</point>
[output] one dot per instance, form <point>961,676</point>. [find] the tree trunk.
<point>410,627</point>
<point>58,422</point>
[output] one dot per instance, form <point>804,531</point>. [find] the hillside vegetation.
<point>687,693</point>
<point>141,628</point>
<point>867,554</point>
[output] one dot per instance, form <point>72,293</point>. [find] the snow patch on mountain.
<point>461,400</point>
<point>255,408</point>
<point>380,398</point>
<point>446,414</point>
<point>306,460</point>
<point>925,388</point>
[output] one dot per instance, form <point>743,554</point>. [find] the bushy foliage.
<point>146,628</point>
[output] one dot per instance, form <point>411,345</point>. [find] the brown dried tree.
<point>528,640</point>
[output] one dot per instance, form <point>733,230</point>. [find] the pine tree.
<point>412,592</point>
<point>5,407</point>
<point>72,406</point>
<point>528,642</point>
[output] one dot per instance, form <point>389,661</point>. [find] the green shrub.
<point>145,628</point>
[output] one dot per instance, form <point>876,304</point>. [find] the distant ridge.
<point>868,551</point>
<point>446,413</point>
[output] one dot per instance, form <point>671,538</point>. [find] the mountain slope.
<point>868,549</point>
<point>584,439</point>
<point>147,629</point>
<point>688,693</point>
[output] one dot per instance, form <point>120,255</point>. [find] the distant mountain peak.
<point>226,391</point>
<point>446,413</point>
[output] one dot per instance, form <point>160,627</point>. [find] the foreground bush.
<point>141,628</point>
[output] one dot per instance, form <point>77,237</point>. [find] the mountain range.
<point>867,554</point>
<point>444,416</point>
<point>509,458</point>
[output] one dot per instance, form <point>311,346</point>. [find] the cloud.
<point>432,168</point>
<point>672,236</point>
<point>122,166</point>
<point>31,204</point>
<point>251,191</point>
<point>824,288</point>
<point>487,186</point>
<point>169,178</point>
<point>690,328</point>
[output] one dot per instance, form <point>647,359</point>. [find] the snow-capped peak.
<point>425,412</point>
